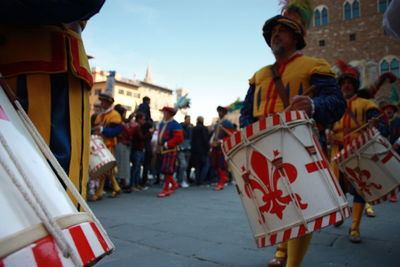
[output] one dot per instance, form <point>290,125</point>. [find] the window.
<point>320,16</point>
<point>321,42</point>
<point>317,18</point>
<point>347,11</point>
<point>390,63</point>
<point>352,37</point>
<point>394,67</point>
<point>324,16</point>
<point>121,91</point>
<point>384,66</point>
<point>136,95</point>
<point>351,9</point>
<point>382,5</point>
<point>128,93</point>
<point>97,91</point>
<point>355,9</point>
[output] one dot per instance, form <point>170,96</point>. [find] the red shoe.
<point>222,180</point>
<point>219,186</point>
<point>174,187</point>
<point>393,198</point>
<point>164,193</point>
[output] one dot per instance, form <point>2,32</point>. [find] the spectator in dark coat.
<point>145,108</point>
<point>200,148</point>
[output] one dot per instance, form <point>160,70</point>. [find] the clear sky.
<point>210,47</point>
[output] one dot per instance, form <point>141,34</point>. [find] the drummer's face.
<point>348,89</point>
<point>282,39</point>
<point>105,104</point>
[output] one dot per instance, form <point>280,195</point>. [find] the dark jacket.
<point>200,145</point>
<point>145,109</point>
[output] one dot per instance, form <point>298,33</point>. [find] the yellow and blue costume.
<point>44,61</point>
<point>111,123</point>
<point>298,74</point>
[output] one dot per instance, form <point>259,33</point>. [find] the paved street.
<point>200,227</point>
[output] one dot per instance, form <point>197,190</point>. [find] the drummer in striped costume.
<point>222,129</point>
<point>358,112</point>
<point>45,63</point>
<point>277,86</point>
<point>170,136</point>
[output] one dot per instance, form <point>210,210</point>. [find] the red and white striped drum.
<point>32,199</point>
<point>283,178</point>
<point>101,160</point>
<point>371,166</point>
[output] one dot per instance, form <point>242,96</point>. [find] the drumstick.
<point>361,127</point>
<point>308,91</point>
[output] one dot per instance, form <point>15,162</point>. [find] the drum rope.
<point>286,180</point>
<point>37,203</point>
<point>359,154</point>
<point>323,173</point>
<point>59,170</point>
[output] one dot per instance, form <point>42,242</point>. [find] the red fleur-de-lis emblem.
<point>274,200</point>
<point>356,176</point>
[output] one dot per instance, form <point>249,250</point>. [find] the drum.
<point>33,204</point>
<point>371,166</point>
<point>101,160</point>
<point>283,178</point>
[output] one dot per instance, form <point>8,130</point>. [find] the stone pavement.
<point>197,226</point>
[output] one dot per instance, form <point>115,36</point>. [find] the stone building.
<point>130,93</point>
<point>352,30</point>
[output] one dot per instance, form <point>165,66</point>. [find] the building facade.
<point>352,30</point>
<point>130,93</point>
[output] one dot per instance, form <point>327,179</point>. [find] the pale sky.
<point>210,47</point>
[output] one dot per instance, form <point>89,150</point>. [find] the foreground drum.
<point>101,160</point>
<point>371,166</point>
<point>39,225</point>
<point>284,180</point>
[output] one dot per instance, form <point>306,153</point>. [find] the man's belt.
<point>165,151</point>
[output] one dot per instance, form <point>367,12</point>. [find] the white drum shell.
<point>371,153</point>
<point>318,189</point>
<point>101,160</point>
<point>17,214</point>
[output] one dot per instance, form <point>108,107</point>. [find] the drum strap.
<point>352,116</point>
<point>279,85</point>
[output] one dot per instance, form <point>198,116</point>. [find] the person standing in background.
<point>137,150</point>
<point>184,153</point>
<point>123,149</point>
<point>200,148</point>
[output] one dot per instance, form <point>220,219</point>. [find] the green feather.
<point>302,8</point>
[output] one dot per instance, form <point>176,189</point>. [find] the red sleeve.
<point>177,139</point>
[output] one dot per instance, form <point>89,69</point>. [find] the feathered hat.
<point>296,14</point>
<point>348,72</point>
<point>386,76</point>
<point>169,109</point>
<point>106,97</point>
<point>223,109</point>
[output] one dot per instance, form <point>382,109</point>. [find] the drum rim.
<point>23,238</point>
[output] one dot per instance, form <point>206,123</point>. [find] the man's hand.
<point>330,137</point>
<point>98,130</point>
<point>302,103</point>
<point>373,122</point>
